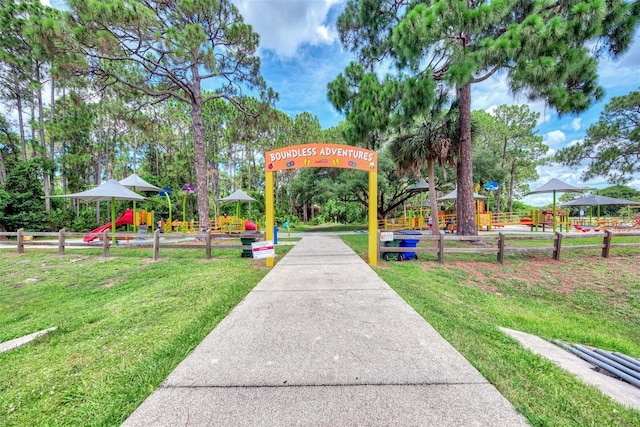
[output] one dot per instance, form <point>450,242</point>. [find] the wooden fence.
<point>498,244</point>
<point>157,241</point>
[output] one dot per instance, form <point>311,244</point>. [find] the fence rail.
<point>500,244</point>
<point>157,241</point>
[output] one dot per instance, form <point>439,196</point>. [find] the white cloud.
<point>576,123</point>
<point>286,25</point>
<point>555,139</point>
<point>623,72</point>
<point>494,92</point>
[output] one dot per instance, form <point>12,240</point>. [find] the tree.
<point>167,50</point>
<point>612,145</point>
<point>541,46</point>
<point>8,146</point>
<point>24,202</point>
<point>509,132</point>
<point>427,140</point>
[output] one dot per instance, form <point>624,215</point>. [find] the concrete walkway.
<point>323,341</point>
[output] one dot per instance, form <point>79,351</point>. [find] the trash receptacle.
<point>397,256</point>
<point>246,240</point>
<point>275,234</point>
<point>408,241</point>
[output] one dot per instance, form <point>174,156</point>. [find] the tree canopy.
<point>166,50</point>
<point>611,148</point>
<point>543,47</point>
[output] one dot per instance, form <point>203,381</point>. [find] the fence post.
<point>557,245</point>
<point>156,244</point>
<point>606,243</point>
<point>441,248</point>
<point>207,244</point>
<point>105,244</point>
<point>20,241</point>
<point>501,248</point>
<point>61,242</point>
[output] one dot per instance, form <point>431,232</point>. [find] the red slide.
<point>125,218</point>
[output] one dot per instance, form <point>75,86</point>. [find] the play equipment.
<point>125,218</point>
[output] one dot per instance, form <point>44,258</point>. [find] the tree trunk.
<point>52,145</point>
<point>499,192</point>
<point>3,170</point>
<point>18,94</point>
<point>435,226</point>
<point>47,177</point>
<point>34,152</point>
<point>466,210</point>
<point>511,183</point>
<point>199,151</point>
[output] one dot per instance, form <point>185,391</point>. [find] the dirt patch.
<point>589,272</point>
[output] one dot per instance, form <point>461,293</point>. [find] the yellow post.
<point>269,210</point>
<point>373,218</point>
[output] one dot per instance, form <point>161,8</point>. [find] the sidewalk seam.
<point>424,384</point>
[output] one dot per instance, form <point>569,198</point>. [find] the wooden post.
<point>501,248</point>
<point>557,245</point>
<point>61,242</point>
<point>207,244</point>
<point>606,243</point>
<point>378,246</point>
<point>156,244</point>
<point>441,248</point>
<point>105,244</point>
<point>20,241</point>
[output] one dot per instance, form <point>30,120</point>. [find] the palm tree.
<point>428,139</point>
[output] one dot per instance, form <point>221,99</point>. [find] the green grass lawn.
<point>582,299</point>
<point>329,227</point>
<point>123,322</point>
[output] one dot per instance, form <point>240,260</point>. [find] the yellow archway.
<point>323,156</point>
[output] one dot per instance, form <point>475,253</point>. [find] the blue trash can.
<point>275,234</point>
<point>409,242</point>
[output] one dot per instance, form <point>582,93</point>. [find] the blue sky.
<point>301,52</point>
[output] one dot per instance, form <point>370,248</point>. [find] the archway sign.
<point>323,156</point>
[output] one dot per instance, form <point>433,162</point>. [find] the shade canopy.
<point>419,186</point>
<point>596,200</point>
<point>237,196</point>
<point>454,196</point>
<point>109,190</point>
<point>555,185</point>
<point>137,183</point>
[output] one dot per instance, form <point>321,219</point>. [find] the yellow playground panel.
<point>143,217</point>
<point>233,224</point>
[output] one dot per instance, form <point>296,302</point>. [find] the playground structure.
<point>222,224</point>
<point>142,219</point>
<point>538,220</point>
<point>447,220</point>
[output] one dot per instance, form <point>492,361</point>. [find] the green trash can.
<point>397,256</point>
<point>247,239</point>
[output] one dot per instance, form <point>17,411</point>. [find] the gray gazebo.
<point>237,196</point>
<point>454,196</point>
<point>556,186</point>
<point>110,190</point>
<point>595,200</point>
<point>136,183</point>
